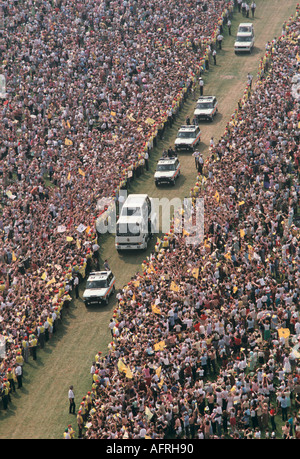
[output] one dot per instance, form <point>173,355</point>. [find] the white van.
<point>136,223</point>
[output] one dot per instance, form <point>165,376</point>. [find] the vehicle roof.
<point>206,97</point>
<point>167,160</point>
<point>135,198</point>
<point>190,127</point>
<point>246,24</point>
<point>98,275</point>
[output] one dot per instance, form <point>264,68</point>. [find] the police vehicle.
<point>99,287</point>
<point>167,171</point>
<point>206,108</point>
<point>188,138</point>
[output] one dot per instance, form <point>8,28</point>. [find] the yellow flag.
<point>228,256</point>
<point>283,332</point>
<point>69,176</point>
<point>128,373</point>
<point>159,346</point>
<point>160,384</point>
<point>174,287</point>
<point>217,196</point>
<point>151,269</point>
<point>235,289</point>
<point>14,256</point>
<point>51,281</point>
<point>68,142</point>
<point>242,233</point>
<point>155,309</point>
<point>241,203</point>
<point>158,371</point>
<point>78,244</point>
<point>195,272</point>
<point>68,124</point>
<point>185,233</point>
<point>44,276</point>
<point>150,121</point>
<point>81,172</point>
<point>130,117</point>
<point>121,366</point>
<point>69,239</point>
<point>148,414</point>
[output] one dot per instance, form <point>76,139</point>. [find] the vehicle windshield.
<point>244,29</point>
<point>205,105</point>
<point>129,211</point>
<point>101,283</point>
<point>243,39</point>
<point>130,229</point>
<point>187,135</point>
<point>166,167</point>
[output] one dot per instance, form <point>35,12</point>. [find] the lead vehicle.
<point>244,41</point>
<point>100,286</point>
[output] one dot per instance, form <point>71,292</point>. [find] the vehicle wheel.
<point>106,301</point>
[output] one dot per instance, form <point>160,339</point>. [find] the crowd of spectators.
<point>86,87</point>
<point>205,338</point>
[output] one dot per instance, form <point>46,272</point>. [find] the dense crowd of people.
<point>77,115</point>
<point>205,339</point>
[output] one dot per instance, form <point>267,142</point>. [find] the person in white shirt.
<point>71,397</point>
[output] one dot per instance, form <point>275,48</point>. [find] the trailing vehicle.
<point>99,287</point>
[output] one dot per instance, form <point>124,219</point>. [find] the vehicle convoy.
<point>99,287</point>
<point>188,137</point>
<point>167,171</point>
<point>244,41</point>
<point>206,108</point>
<point>136,223</point>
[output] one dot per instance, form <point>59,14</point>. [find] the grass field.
<point>40,409</point>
